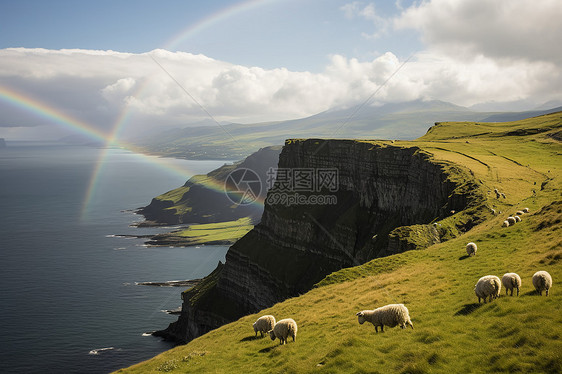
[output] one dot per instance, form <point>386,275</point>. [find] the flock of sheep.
<point>392,315</point>
<point>512,220</point>
<point>489,286</point>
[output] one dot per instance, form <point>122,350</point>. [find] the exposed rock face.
<point>380,188</point>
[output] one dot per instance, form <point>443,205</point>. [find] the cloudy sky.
<point>125,67</point>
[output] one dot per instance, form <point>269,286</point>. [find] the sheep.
<point>517,218</point>
<point>505,224</point>
<point>542,281</point>
<point>264,324</point>
<point>390,315</point>
<point>511,220</point>
<point>525,210</point>
<point>471,249</point>
<point>519,213</point>
<point>283,329</point>
<point>511,281</point>
<point>488,286</point>
<point>503,195</point>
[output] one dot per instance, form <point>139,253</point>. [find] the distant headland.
<point>2,143</point>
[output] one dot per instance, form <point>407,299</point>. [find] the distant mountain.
<point>2,143</point>
<point>516,116</point>
<point>405,121</point>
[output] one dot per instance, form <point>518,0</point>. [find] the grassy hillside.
<point>220,233</point>
<point>453,333</point>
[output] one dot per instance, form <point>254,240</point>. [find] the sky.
<point>117,69</point>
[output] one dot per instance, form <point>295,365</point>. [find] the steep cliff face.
<point>372,200</point>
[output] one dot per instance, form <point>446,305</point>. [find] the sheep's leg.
<point>517,291</point>
<point>511,292</point>
<point>382,328</point>
<point>376,328</point>
<point>547,292</point>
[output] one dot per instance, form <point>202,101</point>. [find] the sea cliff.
<point>386,196</point>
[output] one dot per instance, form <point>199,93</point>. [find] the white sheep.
<point>505,224</point>
<point>390,315</point>
<point>525,210</point>
<point>519,213</point>
<point>511,281</point>
<point>511,220</point>
<point>542,281</point>
<point>283,329</point>
<point>488,286</point>
<point>471,249</point>
<point>517,218</point>
<point>264,324</point>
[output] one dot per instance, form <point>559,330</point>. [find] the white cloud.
<point>100,87</point>
<point>369,13</point>
<point>502,29</point>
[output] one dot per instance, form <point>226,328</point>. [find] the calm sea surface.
<point>67,284</point>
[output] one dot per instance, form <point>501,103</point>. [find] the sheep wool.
<point>511,221</point>
<point>283,329</point>
<point>264,324</point>
<point>471,249</point>
<point>389,315</point>
<point>488,286</point>
<point>511,281</point>
<point>525,210</point>
<point>519,213</point>
<point>517,218</point>
<point>505,224</point>
<point>542,281</point>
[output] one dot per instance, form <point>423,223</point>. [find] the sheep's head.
<point>255,328</point>
<point>361,317</point>
<point>272,335</point>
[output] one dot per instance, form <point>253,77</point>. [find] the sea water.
<point>69,302</point>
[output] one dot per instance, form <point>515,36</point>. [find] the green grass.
<point>211,233</point>
<point>453,333</point>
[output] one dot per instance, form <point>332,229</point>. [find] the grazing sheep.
<point>511,220</point>
<point>503,195</point>
<point>505,224</point>
<point>494,212</point>
<point>283,329</point>
<point>488,286</point>
<point>519,213</point>
<point>511,281</point>
<point>542,281</point>
<point>471,249</point>
<point>390,315</point>
<point>525,210</point>
<point>517,218</point>
<point>264,324</point>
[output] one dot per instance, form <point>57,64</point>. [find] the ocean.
<point>68,293</point>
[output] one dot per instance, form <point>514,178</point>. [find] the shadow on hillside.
<point>250,338</point>
<point>464,257</point>
<point>532,293</point>
<point>467,309</point>
<point>265,350</point>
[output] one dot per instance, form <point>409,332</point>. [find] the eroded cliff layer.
<point>341,219</point>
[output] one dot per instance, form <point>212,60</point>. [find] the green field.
<point>453,333</point>
<point>206,233</point>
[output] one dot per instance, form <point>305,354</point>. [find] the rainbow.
<point>213,19</point>
<point>111,138</point>
<point>50,114</point>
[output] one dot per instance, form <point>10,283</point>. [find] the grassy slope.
<point>209,233</point>
<point>452,332</point>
